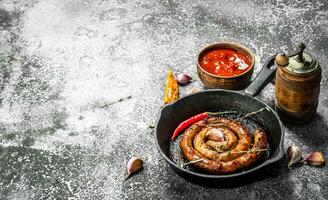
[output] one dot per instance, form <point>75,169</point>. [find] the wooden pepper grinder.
<point>297,86</point>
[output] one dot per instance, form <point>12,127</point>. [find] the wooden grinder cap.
<point>282,59</point>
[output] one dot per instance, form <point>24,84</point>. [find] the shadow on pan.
<point>218,100</point>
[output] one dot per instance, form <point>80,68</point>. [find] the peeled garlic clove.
<point>183,79</point>
<point>294,155</point>
<point>134,165</point>
<point>315,158</point>
<point>215,135</point>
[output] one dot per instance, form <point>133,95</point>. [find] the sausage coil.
<point>235,153</point>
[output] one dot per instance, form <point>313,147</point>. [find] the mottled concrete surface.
<point>61,61</point>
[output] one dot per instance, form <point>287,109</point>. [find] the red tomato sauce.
<point>225,62</point>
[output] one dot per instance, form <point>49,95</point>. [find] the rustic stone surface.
<point>64,62</point>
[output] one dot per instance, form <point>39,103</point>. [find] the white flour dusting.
<point>77,56</point>
<point>82,48</point>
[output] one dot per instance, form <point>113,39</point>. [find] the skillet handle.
<point>263,78</point>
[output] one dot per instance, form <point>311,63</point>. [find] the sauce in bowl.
<point>225,62</point>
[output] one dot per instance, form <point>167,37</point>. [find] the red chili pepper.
<point>185,124</point>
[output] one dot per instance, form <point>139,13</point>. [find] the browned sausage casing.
<point>235,155</point>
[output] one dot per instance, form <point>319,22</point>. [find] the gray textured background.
<point>61,61</point>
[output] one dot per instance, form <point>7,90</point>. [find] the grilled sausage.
<point>194,147</point>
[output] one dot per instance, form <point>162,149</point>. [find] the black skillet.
<point>216,100</point>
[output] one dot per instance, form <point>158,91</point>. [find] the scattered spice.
<point>118,101</point>
<point>134,165</point>
<point>220,147</point>
<point>171,88</point>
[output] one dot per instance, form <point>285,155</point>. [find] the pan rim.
<point>221,176</point>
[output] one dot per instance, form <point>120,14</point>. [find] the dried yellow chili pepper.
<point>171,88</point>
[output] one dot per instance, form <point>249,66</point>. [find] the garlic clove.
<point>294,155</point>
<point>183,79</point>
<point>315,158</point>
<point>134,165</point>
<point>215,134</point>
